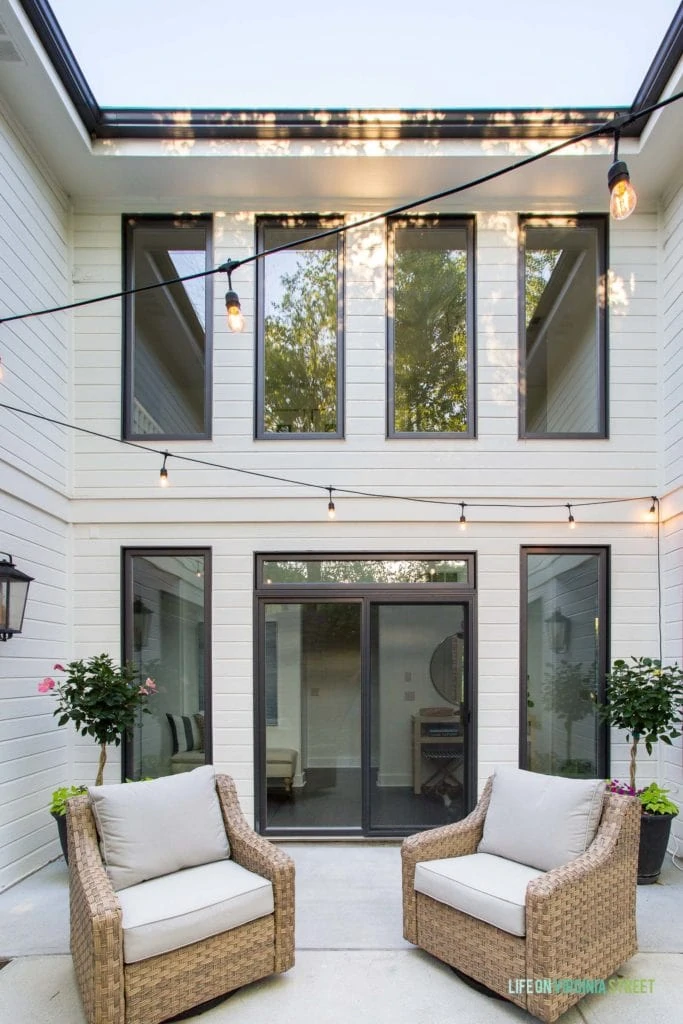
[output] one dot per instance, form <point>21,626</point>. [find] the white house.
<point>503,359</point>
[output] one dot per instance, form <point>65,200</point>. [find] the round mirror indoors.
<point>446,668</point>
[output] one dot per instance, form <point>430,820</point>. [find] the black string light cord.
<point>292,481</point>
<point>614,125</point>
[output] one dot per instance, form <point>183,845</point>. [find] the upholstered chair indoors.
<point>174,899</point>
<point>538,882</point>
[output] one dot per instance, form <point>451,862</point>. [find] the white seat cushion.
<point>541,820</point>
<point>489,888</point>
<point>152,828</point>
<point>172,911</point>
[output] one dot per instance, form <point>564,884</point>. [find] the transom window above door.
<point>430,332</point>
<point>300,329</point>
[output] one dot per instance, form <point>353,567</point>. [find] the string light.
<point>652,512</point>
<point>232,299</point>
<point>331,510</point>
<point>163,473</point>
<point>462,520</point>
<point>623,198</point>
<point>611,126</point>
<point>570,519</point>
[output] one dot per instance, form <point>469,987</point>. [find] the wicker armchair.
<point>152,990</point>
<point>580,917</point>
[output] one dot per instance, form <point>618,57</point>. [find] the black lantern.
<point>13,593</point>
<point>559,631</point>
<point>142,616</point>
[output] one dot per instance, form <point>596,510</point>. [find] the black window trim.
<point>315,222</point>
<point>129,221</point>
<point>603,553</point>
<point>601,223</point>
<point>468,222</point>
<point>127,654</point>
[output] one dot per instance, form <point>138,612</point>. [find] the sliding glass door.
<point>363,698</point>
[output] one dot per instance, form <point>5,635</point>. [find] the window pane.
<point>562,332</point>
<point>300,316</point>
<point>168,347</point>
<point>564,664</point>
<point>437,570</point>
<point>429,333</point>
<point>168,624</point>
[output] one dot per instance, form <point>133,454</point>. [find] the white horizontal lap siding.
<point>671,328</point>
<point>497,546</point>
<point>623,464</point>
<point>34,466</point>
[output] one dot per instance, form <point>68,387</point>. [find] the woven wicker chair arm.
<point>620,824</point>
<point>455,840</point>
<point>86,870</point>
<point>257,854</point>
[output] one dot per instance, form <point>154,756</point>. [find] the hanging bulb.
<point>232,299</point>
<point>570,519</point>
<point>234,311</point>
<point>463,520</point>
<point>331,510</point>
<point>623,198</point>
<point>652,512</point>
<point>163,473</point>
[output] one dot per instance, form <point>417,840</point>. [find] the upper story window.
<point>562,324</point>
<point>167,330</point>
<point>430,327</point>
<point>300,330</point>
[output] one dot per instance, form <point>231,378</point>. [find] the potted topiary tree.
<point>645,699</point>
<point>102,700</point>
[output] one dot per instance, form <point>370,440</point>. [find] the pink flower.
<point>46,685</point>
<point>150,684</point>
<point>141,689</point>
<point>58,668</point>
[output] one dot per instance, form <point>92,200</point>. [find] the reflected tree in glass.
<point>430,339</point>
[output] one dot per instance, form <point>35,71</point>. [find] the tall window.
<point>563,660</point>
<point>430,333</point>
<point>300,311</point>
<point>562,322</point>
<point>167,617</point>
<point>168,329</point>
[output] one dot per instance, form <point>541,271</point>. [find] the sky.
<point>302,54</point>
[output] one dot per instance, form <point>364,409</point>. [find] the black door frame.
<point>368,595</point>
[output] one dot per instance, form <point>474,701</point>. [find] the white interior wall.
<point>34,465</point>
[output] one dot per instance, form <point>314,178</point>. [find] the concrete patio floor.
<point>352,963</point>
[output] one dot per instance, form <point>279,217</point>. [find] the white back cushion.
<point>541,820</point>
<point>148,829</point>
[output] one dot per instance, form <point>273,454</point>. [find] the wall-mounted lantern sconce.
<point>13,593</point>
<point>142,617</point>
<point>559,632</point>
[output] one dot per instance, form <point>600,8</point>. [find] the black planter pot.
<point>61,829</point>
<point>654,837</point>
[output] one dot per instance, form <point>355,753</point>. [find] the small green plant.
<point>654,799</point>
<point>60,797</point>
<point>645,699</point>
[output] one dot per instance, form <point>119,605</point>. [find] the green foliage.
<point>100,698</point>
<point>301,348</point>
<point>60,797</point>
<point>538,268</point>
<point>430,340</point>
<point>654,799</point>
<point>645,699</point>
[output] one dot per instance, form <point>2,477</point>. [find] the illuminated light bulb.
<point>570,519</point>
<point>331,510</point>
<point>652,512</point>
<point>163,473</point>
<point>234,311</point>
<point>623,198</point>
<point>462,520</point>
